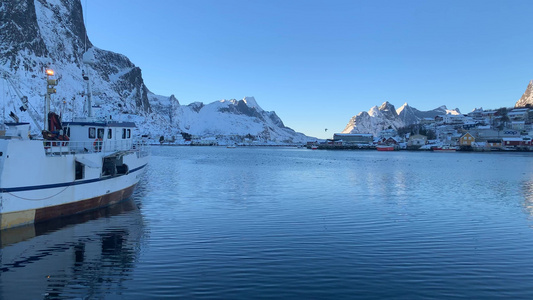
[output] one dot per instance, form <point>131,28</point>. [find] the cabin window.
<point>123,133</point>
<point>109,133</point>
<point>128,133</point>
<point>92,132</point>
<point>100,133</point>
<point>80,171</point>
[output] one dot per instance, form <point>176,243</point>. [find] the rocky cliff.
<point>527,98</point>
<point>37,34</point>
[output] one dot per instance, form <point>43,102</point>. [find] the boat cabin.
<point>99,136</point>
<point>20,130</point>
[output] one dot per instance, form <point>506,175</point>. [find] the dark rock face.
<point>71,36</point>
<point>196,106</point>
<point>30,44</point>
<point>19,32</point>
<point>274,117</point>
<point>242,108</point>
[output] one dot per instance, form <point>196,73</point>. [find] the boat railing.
<point>57,147</point>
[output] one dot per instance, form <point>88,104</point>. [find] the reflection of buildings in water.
<point>89,254</point>
<point>528,196</point>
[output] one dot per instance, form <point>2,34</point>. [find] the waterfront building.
<point>354,138</point>
<point>466,139</point>
<point>417,141</point>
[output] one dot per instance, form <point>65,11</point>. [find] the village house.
<point>490,117</point>
<point>334,142</point>
<point>476,114</point>
<point>523,143</point>
<point>387,133</point>
<point>494,144</point>
<point>518,114</point>
<point>466,140</point>
<point>454,119</point>
<point>518,125</point>
<point>389,141</point>
<point>483,134</point>
<point>417,141</point>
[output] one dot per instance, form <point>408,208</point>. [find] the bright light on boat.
<point>50,72</point>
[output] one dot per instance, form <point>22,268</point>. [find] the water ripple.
<point>290,223</point>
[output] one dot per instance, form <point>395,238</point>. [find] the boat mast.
<point>88,60</point>
<point>50,84</point>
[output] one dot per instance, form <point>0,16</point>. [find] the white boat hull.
<point>35,186</point>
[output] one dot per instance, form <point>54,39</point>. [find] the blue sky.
<point>317,63</point>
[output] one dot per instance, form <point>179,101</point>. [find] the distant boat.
<point>385,147</point>
<point>231,146</point>
<point>314,147</point>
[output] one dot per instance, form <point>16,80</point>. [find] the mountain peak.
<point>386,106</point>
<point>251,103</point>
<point>378,119</point>
<point>527,98</point>
<point>374,110</point>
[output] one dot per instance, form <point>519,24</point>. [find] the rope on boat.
<point>38,199</point>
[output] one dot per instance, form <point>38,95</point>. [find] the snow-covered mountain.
<point>226,118</point>
<point>527,97</point>
<point>410,115</point>
<point>375,120</point>
<point>386,116</point>
<point>36,34</point>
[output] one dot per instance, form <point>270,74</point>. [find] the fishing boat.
<point>385,147</point>
<point>74,167</point>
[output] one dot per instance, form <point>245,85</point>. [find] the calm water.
<point>212,222</point>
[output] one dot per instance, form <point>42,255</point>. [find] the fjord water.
<point>250,222</point>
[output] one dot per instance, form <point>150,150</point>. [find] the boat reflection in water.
<point>90,254</point>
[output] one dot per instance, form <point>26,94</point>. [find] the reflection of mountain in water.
<point>88,254</point>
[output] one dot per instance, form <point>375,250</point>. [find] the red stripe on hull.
<point>47,213</point>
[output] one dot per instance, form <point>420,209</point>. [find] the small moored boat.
<point>385,148</point>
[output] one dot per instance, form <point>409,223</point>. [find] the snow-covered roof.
<point>517,113</point>
<point>513,139</point>
<point>354,134</point>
